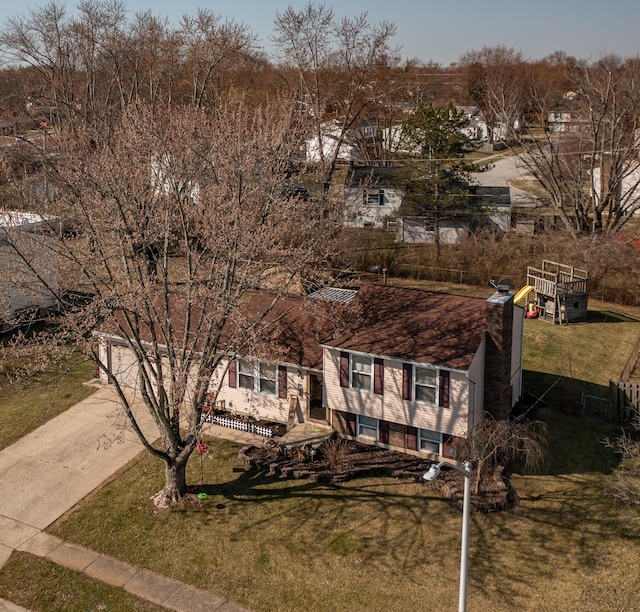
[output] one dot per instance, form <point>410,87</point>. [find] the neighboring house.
<point>453,226</point>
<point>497,204</point>
<point>372,194</point>
<point>560,120</point>
<point>400,368</point>
<point>478,128</point>
<point>567,116</point>
<point>362,140</point>
<point>28,263</point>
<point>330,144</point>
<point>393,142</point>
<point>423,230</point>
<point>628,188</point>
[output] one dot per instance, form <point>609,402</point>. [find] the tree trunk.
<point>175,481</point>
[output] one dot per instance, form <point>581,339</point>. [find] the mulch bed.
<point>364,461</point>
<point>360,461</point>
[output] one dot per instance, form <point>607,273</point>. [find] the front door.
<point>317,411</point>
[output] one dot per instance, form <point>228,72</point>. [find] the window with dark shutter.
<point>378,376</point>
<point>233,376</point>
<point>443,391</point>
<point>352,424</point>
<point>282,382</point>
<point>407,383</point>
<point>383,431</point>
<point>411,438</point>
<point>344,369</point>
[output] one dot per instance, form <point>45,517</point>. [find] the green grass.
<point>53,588</point>
<point>566,361</point>
<point>27,404</point>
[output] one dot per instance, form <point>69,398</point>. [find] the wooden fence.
<point>624,396</point>
<point>631,362</point>
<point>624,405</point>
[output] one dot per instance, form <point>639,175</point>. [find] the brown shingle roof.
<point>415,325</point>
<point>409,324</point>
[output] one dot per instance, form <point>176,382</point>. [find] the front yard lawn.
<point>370,544</point>
<point>53,588</point>
<point>26,405</point>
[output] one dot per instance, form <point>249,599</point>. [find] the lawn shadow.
<point>301,507</point>
<point>575,412</point>
<point>606,316</point>
<point>567,513</point>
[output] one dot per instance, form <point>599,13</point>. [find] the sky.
<point>441,30</point>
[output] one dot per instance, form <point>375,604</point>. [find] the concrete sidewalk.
<point>46,473</point>
<point>143,583</point>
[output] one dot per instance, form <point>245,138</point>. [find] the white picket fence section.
<point>241,425</point>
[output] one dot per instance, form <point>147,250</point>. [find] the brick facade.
<point>497,388</point>
<point>397,433</point>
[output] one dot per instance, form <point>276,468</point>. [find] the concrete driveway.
<point>47,472</point>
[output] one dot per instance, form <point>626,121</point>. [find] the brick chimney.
<point>497,383</point>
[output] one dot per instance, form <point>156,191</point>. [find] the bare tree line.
<point>73,70</point>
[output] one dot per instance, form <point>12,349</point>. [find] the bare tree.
<point>494,442</point>
<point>97,62</point>
<point>41,40</point>
<point>339,67</point>
<point>588,164</point>
<point>176,216</point>
<point>624,483</point>
<point>493,75</point>
<point>210,46</point>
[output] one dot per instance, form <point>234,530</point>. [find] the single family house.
<point>401,368</point>
<point>373,194</point>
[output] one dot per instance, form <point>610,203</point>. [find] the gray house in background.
<point>28,263</point>
<point>373,196</point>
<point>454,228</point>
<point>497,201</point>
<point>423,230</point>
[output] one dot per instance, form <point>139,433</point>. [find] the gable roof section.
<point>263,326</point>
<point>376,176</point>
<point>498,196</point>
<point>415,325</point>
<point>292,330</point>
<point>394,322</point>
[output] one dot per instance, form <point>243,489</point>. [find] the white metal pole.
<point>464,551</point>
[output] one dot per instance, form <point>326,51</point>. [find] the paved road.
<point>504,170</point>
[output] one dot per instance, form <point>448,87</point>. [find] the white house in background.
<point>392,141</point>
<point>28,263</point>
<point>399,368</point>
<point>372,194</point>
<point>478,127</point>
<point>629,187</point>
<point>326,145</point>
